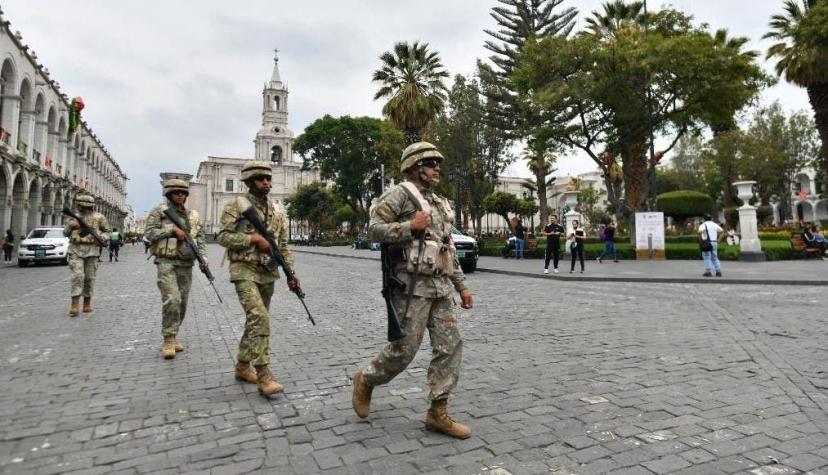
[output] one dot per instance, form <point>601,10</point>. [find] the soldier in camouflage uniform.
<point>84,252</point>
<point>248,251</point>
<point>174,260</point>
<point>401,217</point>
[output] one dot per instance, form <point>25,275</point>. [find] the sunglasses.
<point>429,163</point>
<point>179,192</point>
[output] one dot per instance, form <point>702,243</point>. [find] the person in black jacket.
<point>8,246</point>
<point>577,248</point>
<point>553,232</point>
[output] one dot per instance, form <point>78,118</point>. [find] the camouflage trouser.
<point>254,347</point>
<point>446,346</point>
<point>82,271</point>
<point>174,283</point>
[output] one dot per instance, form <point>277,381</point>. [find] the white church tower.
<point>274,141</point>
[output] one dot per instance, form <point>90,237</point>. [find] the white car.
<point>43,245</point>
<point>467,250</point>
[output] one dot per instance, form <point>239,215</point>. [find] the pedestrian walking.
<point>709,235</point>
<point>576,247</point>
<point>520,239</point>
<point>248,253</point>
<point>116,240</point>
<point>8,246</point>
<point>609,244</point>
<point>416,224</point>
<point>84,251</point>
<point>174,259</point>
<point>553,232</point>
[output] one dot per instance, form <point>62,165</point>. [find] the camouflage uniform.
<point>84,250</point>
<point>175,269</point>
<point>254,282</point>
<point>432,304</point>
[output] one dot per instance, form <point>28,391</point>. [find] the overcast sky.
<point>167,83</point>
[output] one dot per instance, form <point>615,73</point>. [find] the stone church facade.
<point>217,180</point>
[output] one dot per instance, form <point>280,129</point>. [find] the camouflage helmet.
<point>85,200</point>
<point>254,168</point>
<point>174,184</point>
<point>416,152</point>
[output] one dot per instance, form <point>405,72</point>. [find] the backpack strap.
<point>414,193</point>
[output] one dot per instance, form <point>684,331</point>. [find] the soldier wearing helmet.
<point>173,259</point>
<point>84,252</point>
<point>416,223</point>
<point>248,252</point>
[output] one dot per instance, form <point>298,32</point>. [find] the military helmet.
<point>416,152</point>
<point>174,184</point>
<point>85,200</point>
<point>254,168</point>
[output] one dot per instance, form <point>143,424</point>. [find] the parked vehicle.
<point>467,250</point>
<point>43,245</point>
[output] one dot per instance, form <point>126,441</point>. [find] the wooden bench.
<point>531,246</point>
<point>798,245</point>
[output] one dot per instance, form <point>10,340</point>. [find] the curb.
<point>579,278</point>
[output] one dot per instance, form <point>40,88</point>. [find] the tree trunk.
<point>540,179</point>
<point>635,168</point>
<point>728,173</point>
<point>818,97</point>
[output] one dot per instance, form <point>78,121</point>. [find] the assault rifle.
<point>191,244</point>
<point>85,229</point>
<point>276,258</point>
<point>389,281</point>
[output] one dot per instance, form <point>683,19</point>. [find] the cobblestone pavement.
<point>558,377</point>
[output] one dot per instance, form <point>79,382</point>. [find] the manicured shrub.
<point>683,204</point>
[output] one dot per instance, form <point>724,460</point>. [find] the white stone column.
<point>571,198</point>
<point>750,246</point>
<point>27,131</point>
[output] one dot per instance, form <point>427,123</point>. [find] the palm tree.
<point>617,15</point>
<point>802,53</point>
<point>540,163</point>
<point>412,78</point>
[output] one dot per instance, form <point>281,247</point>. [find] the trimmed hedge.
<point>683,204</point>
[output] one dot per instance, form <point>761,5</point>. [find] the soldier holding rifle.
<point>84,231</point>
<point>250,256</point>
<point>416,224</point>
<point>170,228</point>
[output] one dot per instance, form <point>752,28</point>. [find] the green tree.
<point>520,22</point>
<point>588,199</point>
<point>616,16</point>
<point>802,53</point>
<point>683,204</point>
<point>501,204</point>
<point>314,203</point>
<point>685,169</point>
<point>349,151</point>
<point>411,77</point>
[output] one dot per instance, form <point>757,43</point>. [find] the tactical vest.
<point>438,255</point>
<point>94,222</point>
<point>172,248</point>
<point>273,222</point>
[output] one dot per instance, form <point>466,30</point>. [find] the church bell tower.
<point>274,141</point>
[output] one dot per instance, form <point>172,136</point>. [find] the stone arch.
<point>820,211</point>
<point>25,121</point>
<point>802,182</point>
<point>5,208</point>
<point>8,91</point>
<point>61,158</point>
<point>41,132</point>
<point>276,154</point>
<point>805,211</point>
<point>59,204</point>
<point>47,205</point>
<point>35,202</point>
<point>51,139</point>
<point>18,211</point>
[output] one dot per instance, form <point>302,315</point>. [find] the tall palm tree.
<point>802,53</point>
<point>616,16</point>
<point>412,78</point>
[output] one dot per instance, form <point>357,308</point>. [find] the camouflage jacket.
<point>86,246</point>
<point>390,223</point>
<point>164,245</point>
<point>246,262</point>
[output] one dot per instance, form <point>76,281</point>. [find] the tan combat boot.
<point>178,345</point>
<point>74,309</point>
<point>438,420</point>
<point>267,385</point>
<point>87,304</point>
<point>168,348</point>
<point>361,399</point>
<point>245,373</point>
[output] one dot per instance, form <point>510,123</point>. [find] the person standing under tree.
<point>609,243</point>
<point>414,221</point>
<point>174,260</point>
<point>248,253</point>
<point>520,239</point>
<point>578,237</point>
<point>553,232</point>
<point>84,252</point>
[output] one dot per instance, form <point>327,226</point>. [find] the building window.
<point>276,154</point>
<point>276,102</point>
<point>228,184</point>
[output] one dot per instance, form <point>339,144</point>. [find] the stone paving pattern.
<point>558,377</point>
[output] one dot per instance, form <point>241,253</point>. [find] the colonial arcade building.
<point>43,164</point>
